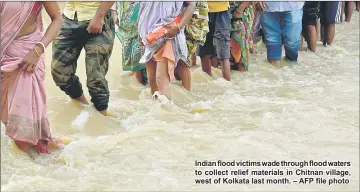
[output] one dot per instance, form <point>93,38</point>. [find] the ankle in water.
<point>162,98</point>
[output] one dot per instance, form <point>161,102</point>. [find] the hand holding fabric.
<point>261,5</point>
<point>96,25</point>
<point>172,30</point>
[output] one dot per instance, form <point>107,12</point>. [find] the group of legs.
<point>159,79</point>
<point>319,20</point>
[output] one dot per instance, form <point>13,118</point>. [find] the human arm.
<point>261,5</point>
<point>97,22</point>
<point>32,58</point>
<point>189,11</point>
<point>240,9</point>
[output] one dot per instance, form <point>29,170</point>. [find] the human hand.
<point>30,61</point>
<point>172,31</point>
<point>96,25</point>
<point>261,5</point>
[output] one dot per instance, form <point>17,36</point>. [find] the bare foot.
<point>82,99</point>
<point>31,152</point>
<point>20,146</point>
<point>107,113</point>
<point>59,143</point>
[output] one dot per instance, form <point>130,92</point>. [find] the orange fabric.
<point>166,54</point>
<point>161,31</point>
<point>235,50</point>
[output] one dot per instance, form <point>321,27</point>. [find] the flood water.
<point>304,112</point>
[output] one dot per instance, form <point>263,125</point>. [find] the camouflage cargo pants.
<point>67,47</point>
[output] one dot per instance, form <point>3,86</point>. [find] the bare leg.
<point>27,148</point>
<point>193,60</point>
<point>184,73</point>
<point>151,73</point>
<point>342,8</point>
<point>206,64</point>
<point>22,145</point>
<point>301,42</point>
<point>350,5</point>
<point>162,79</point>
<point>139,76</point>
<point>318,29</point>
<point>311,31</point>
<point>324,30</point>
<point>225,67</point>
<point>329,34</point>
<point>215,62</point>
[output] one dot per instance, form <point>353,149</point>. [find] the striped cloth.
<point>339,18</point>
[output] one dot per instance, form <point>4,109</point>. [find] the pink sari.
<point>23,97</point>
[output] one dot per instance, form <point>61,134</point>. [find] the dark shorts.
<point>328,11</point>
<point>311,12</point>
<point>219,31</point>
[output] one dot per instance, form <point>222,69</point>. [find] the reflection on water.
<point>303,112</point>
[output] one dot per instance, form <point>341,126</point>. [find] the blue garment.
<point>328,12</point>
<point>281,6</point>
<point>282,27</point>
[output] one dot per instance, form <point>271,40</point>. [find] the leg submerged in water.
<point>329,11</point>
<point>151,73</point>
<point>182,71</point>
<point>97,64</point>
<point>139,76</point>
<point>270,21</point>
<point>349,9</point>
<point>207,50</point>
<point>163,79</point>
<point>206,64</point>
<point>66,51</point>
<point>222,37</point>
<point>291,32</point>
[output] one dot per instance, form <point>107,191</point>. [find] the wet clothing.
<point>219,34</point>
<point>197,29</point>
<point>67,47</point>
<point>153,18</point>
<point>282,27</point>
<point>241,34</point>
<point>23,94</point>
<point>339,13</point>
<point>329,11</point>
<point>127,33</point>
<point>311,12</point>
